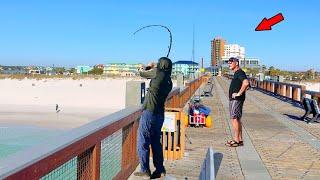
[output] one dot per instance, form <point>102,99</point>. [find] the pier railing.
<point>178,98</point>
<point>291,91</point>
<point>102,149</point>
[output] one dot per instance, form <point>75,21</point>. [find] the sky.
<point>76,32</point>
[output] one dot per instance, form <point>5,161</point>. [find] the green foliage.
<point>59,70</point>
<point>310,74</point>
<point>264,68</point>
<point>253,71</point>
<point>225,70</point>
<point>72,70</point>
<point>96,71</point>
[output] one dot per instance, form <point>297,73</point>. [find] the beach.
<point>32,111</point>
<point>311,86</point>
<point>59,103</point>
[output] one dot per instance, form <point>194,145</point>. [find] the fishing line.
<point>169,47</point>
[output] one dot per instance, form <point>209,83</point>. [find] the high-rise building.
<point>234,50</point>
<point>217,50</point>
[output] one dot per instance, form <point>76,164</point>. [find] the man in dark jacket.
<point>152,118</point>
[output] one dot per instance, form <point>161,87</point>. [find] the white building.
<point>234,50</point>
<point>185,67</point>
<point>248,62</point>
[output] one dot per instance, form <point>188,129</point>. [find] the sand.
<point>312,86</point>
<point>28,113</point>
<point>33,102</point>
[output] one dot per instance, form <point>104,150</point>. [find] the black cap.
<point>233,59</point>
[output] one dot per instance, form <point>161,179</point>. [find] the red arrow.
<point>266,24</point>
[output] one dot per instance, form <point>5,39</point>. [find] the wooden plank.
<point>85,165</point>
<point>96,161</point>
<point>175,156</point>
<point>164,144</point>
<point>182,137</point>
<point>125,173</point>
<point>169,146</point>
<point>175,138</point>
<point>288,92</point>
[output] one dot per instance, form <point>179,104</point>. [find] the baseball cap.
<point>233,59</point>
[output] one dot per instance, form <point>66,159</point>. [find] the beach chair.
<point>207,91</point>
<point>307,108</point>
<point>310,106</point>
<point>315,111</point>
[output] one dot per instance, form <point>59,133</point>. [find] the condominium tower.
<point>217,50</point>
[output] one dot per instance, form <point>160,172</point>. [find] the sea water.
<point>14,138</point>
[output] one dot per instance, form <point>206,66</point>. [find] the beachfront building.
<point>185,67</point>
<point>13,70</point>
<point>233,50</point>
<point>83,69</point>
<point>121,69</point>
<point>247,62</point>
<point>217,50</point>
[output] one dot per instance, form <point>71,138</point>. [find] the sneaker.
<point>156,175</point>
<point>143,175</point>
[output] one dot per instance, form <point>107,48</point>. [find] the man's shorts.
<point>235,108</point>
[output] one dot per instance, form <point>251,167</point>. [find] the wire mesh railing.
<point>66,171</point>
<point>111,155</point>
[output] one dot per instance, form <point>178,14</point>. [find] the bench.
<point>310,106</point>
<point>207,91</point>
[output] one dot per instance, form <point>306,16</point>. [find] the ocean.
<point>17,138</point>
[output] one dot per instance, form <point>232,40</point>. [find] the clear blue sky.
<point>75,32</point>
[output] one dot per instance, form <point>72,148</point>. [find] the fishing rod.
<point>169,47</point>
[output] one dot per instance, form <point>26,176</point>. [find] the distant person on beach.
<point>237,95</point>
<point>153,116</point>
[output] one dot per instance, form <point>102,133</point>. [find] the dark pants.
<point>149,134</point>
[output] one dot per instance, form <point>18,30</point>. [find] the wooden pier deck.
<point>277,145</point>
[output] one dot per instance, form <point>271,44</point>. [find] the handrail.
<point>32,163</point>
<point>173,92</point>
<point>283,83</point>
<point>294,92</point>
<point>183,89</point>
<point>312,93</point>
<point>84,143</point>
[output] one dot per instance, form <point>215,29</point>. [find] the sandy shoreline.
<point>33,102</point>
<point>47,117</point>
<point>28,113</point>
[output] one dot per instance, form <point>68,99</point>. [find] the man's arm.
<point>244,86</point>
<point>150,74</point>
